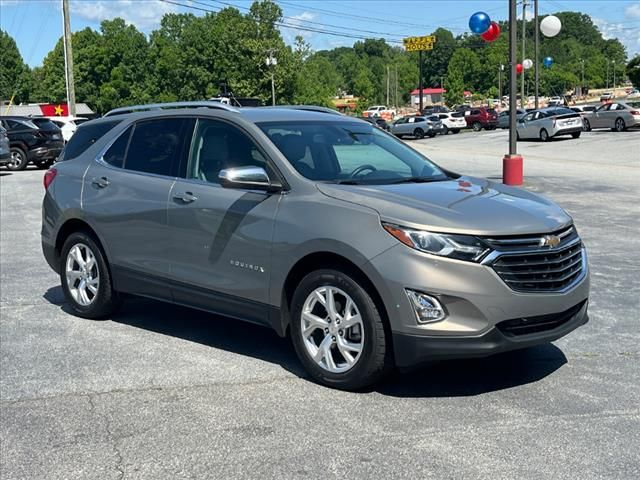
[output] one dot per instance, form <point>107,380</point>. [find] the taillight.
<point>635,112</point>
<point>49,175</point>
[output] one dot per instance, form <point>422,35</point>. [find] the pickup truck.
<point>379,111</point>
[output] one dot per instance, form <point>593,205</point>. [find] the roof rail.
<point>162,106</point>
<point>309,108</point>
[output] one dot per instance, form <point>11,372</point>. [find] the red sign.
<point>55,110</point>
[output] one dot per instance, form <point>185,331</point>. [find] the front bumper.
<point>412,350</point>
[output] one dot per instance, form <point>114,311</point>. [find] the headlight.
<point>461,247</point>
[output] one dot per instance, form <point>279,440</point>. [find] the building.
<point>46,110</point>
<point>431,96</point>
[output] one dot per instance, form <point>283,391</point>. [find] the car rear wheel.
<point>418,133</point>
<point>455,130</point>
<point>445,130</point>
<point>18,160</point>
<point>544,135</point>
<point>85,277</point>
<point>586,126</point>
<point>476,126</point>
<point>337,331</point>
<point>45,164</point>
<point>576,134</point>
<point>619,126</point>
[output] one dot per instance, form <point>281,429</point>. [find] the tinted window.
<point>45,124</point>
<point>86,136</point>
<point>218,145</point>
<point>156,146</point>
<point>117,151</point>
<point>20,124</point>
<point>491,111</point>
<point>475,112</point>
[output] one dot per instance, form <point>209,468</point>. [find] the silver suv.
<point>315,224</point>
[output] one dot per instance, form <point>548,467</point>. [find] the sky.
<point>36,25</point>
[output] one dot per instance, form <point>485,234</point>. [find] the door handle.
<point>101,182</point>
<point>186,197</point>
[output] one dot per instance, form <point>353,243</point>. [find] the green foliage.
<point>633,71</point>
<point>189,57</point>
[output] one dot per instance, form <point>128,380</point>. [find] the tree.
<point>466,64</point>
<point>14,74</point>
<point>317,82</point>
<point>363,86</point>
<point>454,84</point>
<point>633,71</point>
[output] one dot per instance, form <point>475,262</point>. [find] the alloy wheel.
<point>332,329</point>
<point>620,125</point>
<point>83,276</point>
<point>16,160</point>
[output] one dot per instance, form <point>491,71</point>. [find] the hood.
<point>466,205</point>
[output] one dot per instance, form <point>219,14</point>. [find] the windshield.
<point>354,153</point>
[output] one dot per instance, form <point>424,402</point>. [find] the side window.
<point>115,155</point>
<point>528,117</point>
<point>475,112</point>
<point>217,146</point>
<point>85,137</point>
<point>156,146</point>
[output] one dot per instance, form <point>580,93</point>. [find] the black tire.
<point>576,134</point>
<point>374,361</point>
<point>18,160</point>
<point>517,135</point>
<point>455,130</point>
<point>445,130</point>
<point>477,126</point>
<point>619,126</point>
<point>45,164</point>
<point>586,126</point>
<point>418,133</point>
<point>544,135</point>
<point>431,134</point>
<point>106,300</point>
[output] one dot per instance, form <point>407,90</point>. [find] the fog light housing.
<point>428,309</point>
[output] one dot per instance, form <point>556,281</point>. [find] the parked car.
<point>378,122</point>
<point>617,116</point>
<point>452,122</point>
<point>606,96</point>
<point>379,111</point>
<point>68,125</point>
<point>433,109</point>
<point>548,123</point>
<point>503,118</point>
<point>584,108</point>
<point>317,225</point>
<point>416,126</point>
<point>5,152</point>
<point>635,93</point>
<point>479,118</point>
<point>31,144</point>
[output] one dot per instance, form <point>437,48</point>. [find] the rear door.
<point>125,195</point>
<point>220,237</point>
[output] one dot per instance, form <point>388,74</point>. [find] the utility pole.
<point>537,53</point>
<point>614,77</point>
<point>500,70</point>
<point>524,36</point>
<point>68,59</point>
<point>387,86</point>
<point>582,83</point>
<point>396,83</point>
<point>420,81</point>
<point>272,62</point>
<point>512,162</point>
<point>607,74</point>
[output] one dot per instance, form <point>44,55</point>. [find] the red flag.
<point>55,110</point>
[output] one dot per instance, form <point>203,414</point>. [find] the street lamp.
<point>614,77</point>
<point>272,62</point>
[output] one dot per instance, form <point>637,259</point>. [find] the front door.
<point>221,237</point>
<point>125,194</point>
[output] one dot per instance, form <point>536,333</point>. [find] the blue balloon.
<point>479,23</point>
<point>548,61</point>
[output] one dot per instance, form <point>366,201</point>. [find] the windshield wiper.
<point>348,181</point>
<point>419,180</point>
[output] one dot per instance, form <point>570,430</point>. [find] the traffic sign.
<point>416,44</point>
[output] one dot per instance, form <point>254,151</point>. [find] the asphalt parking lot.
<point>161,391</point>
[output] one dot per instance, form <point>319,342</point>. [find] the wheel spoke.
<point>314,322</point>
<point>350,346</point>
<point>346,353</point>
<point>322,349</point>
<point>77,256</point>
<point>351,321</point>
<point>331,304</point>
<point>73,275</point>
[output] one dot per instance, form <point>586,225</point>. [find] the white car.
<point>452,122</point>
<point>68,125</point>
<point>634,94</point>
<point>379,111</point>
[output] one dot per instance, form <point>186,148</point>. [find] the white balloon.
<point>550,26</point>
<point>527,64</point>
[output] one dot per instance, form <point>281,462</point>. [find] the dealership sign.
<point>416,44</point>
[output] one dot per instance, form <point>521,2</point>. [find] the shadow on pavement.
<point>461,378</point>
<point>5,174</point>
<point>452,378</point>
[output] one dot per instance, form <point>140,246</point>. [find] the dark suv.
<point>482,117</point>
<point>31,143</point>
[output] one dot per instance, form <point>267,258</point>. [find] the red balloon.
<point>519,68</point>
<point>492,34</point>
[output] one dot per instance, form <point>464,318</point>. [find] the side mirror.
<point>521,120</point>
<point>248,177</point>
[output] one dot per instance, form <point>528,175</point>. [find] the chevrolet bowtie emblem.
<point>551,241</point>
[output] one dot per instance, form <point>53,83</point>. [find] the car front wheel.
<point>337,331</point>
<point>85,277</point>
<point>476,126</point>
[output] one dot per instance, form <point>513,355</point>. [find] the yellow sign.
<point>415,44</point>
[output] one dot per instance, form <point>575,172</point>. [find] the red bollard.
<point>512,170</point>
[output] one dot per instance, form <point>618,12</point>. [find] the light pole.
<point>607,74</point>
<point>614,77</point>
<point>272,62</point>
<point>537,52</point>
<point>582,83</point>
<point>524,54</point>
<point>512,162</point>
<point>500,70</point>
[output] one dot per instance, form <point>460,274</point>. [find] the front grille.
<point>541,323</point>
<point>542,269</point>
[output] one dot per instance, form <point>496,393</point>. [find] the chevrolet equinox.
<point>320,226</point>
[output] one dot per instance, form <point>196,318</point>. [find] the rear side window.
<point>157,146</point>
<point>86,136</point>
<point>117,151</point>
